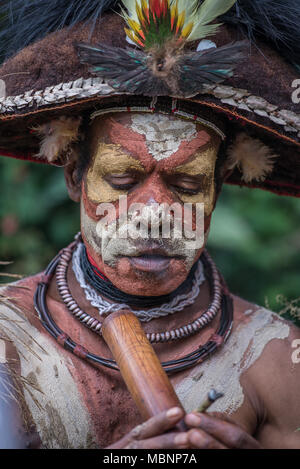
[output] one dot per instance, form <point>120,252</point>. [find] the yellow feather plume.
<point>189,21</point>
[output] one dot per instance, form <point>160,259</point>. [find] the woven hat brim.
<point>279,128</point>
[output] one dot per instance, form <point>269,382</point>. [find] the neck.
<point>93,342</point>
<point>179,317</point>
<point>60,314</point>
<point>94,267</point>
<point>87,270</point>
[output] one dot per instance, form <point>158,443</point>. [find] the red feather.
<point>155,6</point>
<point>158,8</point>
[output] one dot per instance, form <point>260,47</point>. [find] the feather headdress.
<point>162,65</point>
<point>23,22</point>
<point>153,22</point>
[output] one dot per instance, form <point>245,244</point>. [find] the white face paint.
<point>163,135</point>
<point>111,244</point>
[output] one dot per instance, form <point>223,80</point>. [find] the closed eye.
<point>122,182</point>
<point>187,185</point>
<point>186,191</point>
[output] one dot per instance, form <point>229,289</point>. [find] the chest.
<point>76,406</point>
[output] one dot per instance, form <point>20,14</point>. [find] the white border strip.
<point>81,88</point>
<point>179,114</point>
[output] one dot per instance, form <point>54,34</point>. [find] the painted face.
<point>158,161</point>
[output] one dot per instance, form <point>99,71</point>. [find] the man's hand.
<point>216,431</point>
<point>152,433</point>
<point>204,431</point>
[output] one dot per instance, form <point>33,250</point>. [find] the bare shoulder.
<point>21,293</point>
<point>279,362</point>
<point>17,430</point>
<point>272,379</point>
<point>278,337</point>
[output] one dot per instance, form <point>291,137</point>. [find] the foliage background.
<point>254,239</point>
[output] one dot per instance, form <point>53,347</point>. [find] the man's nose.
<point>159,220</point>
<point>151,201</point>
<point>153,191</point>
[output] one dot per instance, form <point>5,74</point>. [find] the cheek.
<point>99,191</point>
<point>88,206</point>
<point>203,164</point>
<point>88,227</point>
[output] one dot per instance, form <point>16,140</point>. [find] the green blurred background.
<point>254,239</point>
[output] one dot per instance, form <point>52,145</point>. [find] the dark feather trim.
<point>23,22</point>
<point>133,71</point>
<point>277,21</point>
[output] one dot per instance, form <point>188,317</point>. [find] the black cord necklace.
<point>108,290</point>
<point>173,366</point>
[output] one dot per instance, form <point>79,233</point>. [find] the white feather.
<point>205,44</point>
<point>56,136</point>
<point>252,157</point>
<point>203,16</point>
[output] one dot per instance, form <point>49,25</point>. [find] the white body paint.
<point>55,402</point>
<point>223,370</point>
<point>163,135</point>
<point>53,398</point>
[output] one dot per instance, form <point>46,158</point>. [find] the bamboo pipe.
<point>139,365</point>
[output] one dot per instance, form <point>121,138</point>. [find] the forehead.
<point>154,139</point>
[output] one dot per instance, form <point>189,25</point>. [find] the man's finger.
<point>166,441</point>
<point>229,434</point>
<point>158,424</point>
<point>199,439</point>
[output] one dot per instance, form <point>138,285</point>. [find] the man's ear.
<point>71,175</point>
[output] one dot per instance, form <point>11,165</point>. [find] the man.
<point>155,152</point>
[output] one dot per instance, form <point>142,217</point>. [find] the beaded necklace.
<point>176,302</point>
<point>187,361</point>
<point>166,336</point>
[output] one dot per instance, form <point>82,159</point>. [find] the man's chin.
<point>144,276</point>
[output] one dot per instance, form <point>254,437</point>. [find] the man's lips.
<point>153,263</point>
<point>152,260</point>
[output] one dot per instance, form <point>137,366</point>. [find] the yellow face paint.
<point>202,165</point>
<point>108,159</point>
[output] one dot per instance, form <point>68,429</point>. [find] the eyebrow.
<point>105,163</point>
<point>197,167</point>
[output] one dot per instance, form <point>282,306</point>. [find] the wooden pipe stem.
<point>139,365</point>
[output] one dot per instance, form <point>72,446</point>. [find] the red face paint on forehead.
<point>131,141</point>
<point>120,133</point>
